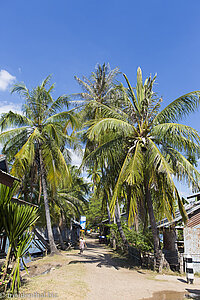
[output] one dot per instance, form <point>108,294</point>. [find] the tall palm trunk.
<point>157,251</point>
<point>52,244</point>
<point>108,209</point>
<point>113,240</point>
<point>128,191</point>
<point>119,225</point>
<point>136,222</point>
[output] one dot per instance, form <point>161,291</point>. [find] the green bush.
<point>141,241</point>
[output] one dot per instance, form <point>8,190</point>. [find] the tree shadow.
<point>103,260</point>
<point>100,261</point>
<point>93,255</point>
<point>182,280</point>
<point>193,294</point>
<point>140,272</point>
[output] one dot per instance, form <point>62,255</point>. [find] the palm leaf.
<point>179,108</point>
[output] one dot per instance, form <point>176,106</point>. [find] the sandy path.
<point>97,275</point>
<point>107,279</point>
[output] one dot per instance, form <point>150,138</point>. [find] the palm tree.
<point>99,91</point>
<point>97,88</point>
<point>153,148</point>
<point>36,139</point>
<point>73,199</point>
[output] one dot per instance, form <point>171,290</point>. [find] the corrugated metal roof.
<point>122,215</point>
<point>193,196</point>
<point>190,209</point>
<point>7,179</point>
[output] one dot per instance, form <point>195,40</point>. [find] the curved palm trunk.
<point>156,241</point>
<point>52,244</point>
<point>119,225</point>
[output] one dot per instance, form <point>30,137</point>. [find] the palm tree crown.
<point>153,146</point>
<point>38,139</point>
<point>42,125</point>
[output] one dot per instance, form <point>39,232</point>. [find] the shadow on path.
<point>193,294</point>
<point>100,260</point>
<point>95,254</point>
<point>182,280</point>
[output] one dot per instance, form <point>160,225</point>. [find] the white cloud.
<point>5,79</point>
<point>76,159</point>
<point>6,107</point>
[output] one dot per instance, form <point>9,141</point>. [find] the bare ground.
<point>96,274</point>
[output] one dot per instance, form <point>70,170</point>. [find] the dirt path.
<point>96,275</point>
<point>107,278</point>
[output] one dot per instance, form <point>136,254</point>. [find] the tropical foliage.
<point>38,140</point>
<point>153,148</point>
<point>15,221</point>
<point>133,152</point>
<point>99,91</point>
<point>139,240</point>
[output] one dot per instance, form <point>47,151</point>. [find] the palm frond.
<point>11,119</point>
<point>21,89</point>
<point>55,165</point>
<point>63,117</point>
<point>25,157</point>
<point>110,124</point>
<point>179,108</point>
<point>183,169</point>
<point>181,137</point>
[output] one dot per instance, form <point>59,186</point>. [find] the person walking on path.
<point>82,245</point>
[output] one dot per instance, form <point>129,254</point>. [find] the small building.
<point>175,248</point>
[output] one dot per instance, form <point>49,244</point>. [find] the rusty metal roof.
<point>194,220</point>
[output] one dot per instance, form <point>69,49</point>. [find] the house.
<point>175,248</point>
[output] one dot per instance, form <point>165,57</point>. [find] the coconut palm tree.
<point>73,199</point>
<point>153,148</point>
<point>36,139</point>
<point>99,91</point>
<point>97,88</point>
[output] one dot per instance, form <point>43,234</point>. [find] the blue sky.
<point>66,38</point>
